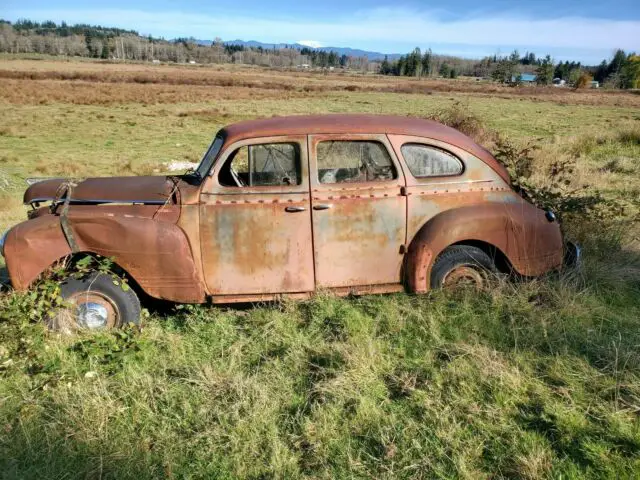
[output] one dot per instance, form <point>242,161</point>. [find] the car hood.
<point>145,189</point>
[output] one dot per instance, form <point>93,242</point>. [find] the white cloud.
<point>310,43</point>
<point>382,29</point>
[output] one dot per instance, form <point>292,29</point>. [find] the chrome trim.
<point>92,315</point>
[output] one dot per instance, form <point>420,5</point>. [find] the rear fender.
<point>530,243</point>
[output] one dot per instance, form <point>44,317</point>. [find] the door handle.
<point>322,206</point>
<point>294,209</point>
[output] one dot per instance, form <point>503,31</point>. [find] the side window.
<point>427,161</point>
<point>344,161</point>
<point>270,164</point>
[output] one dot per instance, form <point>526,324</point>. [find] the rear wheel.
<point>462,266</point>
<point>95,302</point>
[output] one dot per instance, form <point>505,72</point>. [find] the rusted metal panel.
<point>111,189</point>
<point>155,253</point>
<point>257,240</point>
<point>477,205</point>
<point>357,240</point>
<point>33,246</point>
<point>520,231</point>
<point>430,196</point>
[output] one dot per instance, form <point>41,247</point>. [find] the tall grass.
<point>538,380</point>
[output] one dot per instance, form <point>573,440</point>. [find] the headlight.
<point>551,217</point>
<point>2,240</point>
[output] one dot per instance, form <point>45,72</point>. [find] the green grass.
<point>532,380</point>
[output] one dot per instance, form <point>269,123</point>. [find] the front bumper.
<point>572,256</point>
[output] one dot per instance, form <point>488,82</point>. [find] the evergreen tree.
<point>385,66</point>
<point>545,71</point>
<point>426,63</point>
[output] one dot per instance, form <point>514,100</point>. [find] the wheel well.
<point>74,258</point>
<point>500,260</point>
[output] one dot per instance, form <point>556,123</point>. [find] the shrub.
<point>459,116</point>
<point>558,190</point>
<point>584,80</point>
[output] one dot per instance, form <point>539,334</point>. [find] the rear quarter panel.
<point>478,205</point>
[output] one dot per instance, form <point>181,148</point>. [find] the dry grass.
<point>76,83</point>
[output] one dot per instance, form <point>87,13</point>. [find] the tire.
<point>462,265</point>
<point>95,303</point>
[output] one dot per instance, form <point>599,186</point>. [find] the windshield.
<point>209,157</point>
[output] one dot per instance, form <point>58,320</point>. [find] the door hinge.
<point>403,249</point>
<point>403,191</point>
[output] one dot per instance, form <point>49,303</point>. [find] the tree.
<point>426,63</point>
<point>445,70</point>
<point>504,71</point>
<point>385,66</point>
<point>601,72</point>
<point>630,72</point>
<point>618,60</point>
<point>545,72</point>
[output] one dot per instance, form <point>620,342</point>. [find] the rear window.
<point>428,161</point>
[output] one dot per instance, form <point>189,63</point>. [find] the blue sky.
<point>585,30</point>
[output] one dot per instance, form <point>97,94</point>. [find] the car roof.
<point>359,123</point>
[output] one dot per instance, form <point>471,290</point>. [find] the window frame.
<point>213,184</point>
<point>315,139</point>
<point>251,162</point>
<point>437,148</point>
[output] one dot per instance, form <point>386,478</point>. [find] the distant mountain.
<point>350,52</point>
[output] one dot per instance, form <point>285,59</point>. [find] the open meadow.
<point>537,379</point>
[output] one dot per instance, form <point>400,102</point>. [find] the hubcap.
<point>464,276</point>
<point>92,315</point>
<point>93,311</point>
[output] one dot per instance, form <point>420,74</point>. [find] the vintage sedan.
<point>286,207</point>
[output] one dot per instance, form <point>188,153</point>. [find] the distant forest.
<point>622,71</point>
<point>25,36</point>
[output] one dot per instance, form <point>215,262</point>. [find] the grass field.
<point>534,380</point>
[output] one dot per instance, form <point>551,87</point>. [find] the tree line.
<point>622,71</point>
<point>26,36</point>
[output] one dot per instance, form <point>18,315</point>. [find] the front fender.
<point>155,253</point>
<point>520,231</point>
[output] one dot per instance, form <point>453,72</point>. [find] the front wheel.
<point>95,302</point>
<point>462,266</point>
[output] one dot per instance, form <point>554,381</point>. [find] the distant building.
<point>558,82</point>
<point>595,84</point>
<point>525,78</point>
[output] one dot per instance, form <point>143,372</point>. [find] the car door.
<point>255,220</point>
<point>358,210</point>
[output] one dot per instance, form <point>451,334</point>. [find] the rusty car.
<point>287,206</point>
